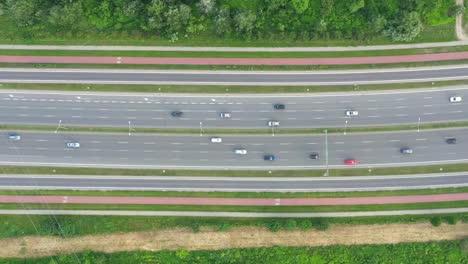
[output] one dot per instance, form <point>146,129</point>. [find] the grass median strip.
<point>405,170</point>
<point>235,194</point>
<point>253,131</point>
<point>214,89</point>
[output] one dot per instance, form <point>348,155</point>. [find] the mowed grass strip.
<point>221,54</point>
<point>405,170</point>
<point>236,194</point>
<point>235,208</point>
<point>230,89</point>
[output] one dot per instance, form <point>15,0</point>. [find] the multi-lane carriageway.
<point>248,111</point>
<point>194,151</point>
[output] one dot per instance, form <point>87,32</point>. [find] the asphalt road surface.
<point>324,184</point>
<point>235,78</point>
<point>193,151</point>
<point>114,110</point>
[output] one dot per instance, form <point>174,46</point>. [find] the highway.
<point>194,151</point>
<point>159,183</point>
<point>248,111</point>
<point>367,76</point>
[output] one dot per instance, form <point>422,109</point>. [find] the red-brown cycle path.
<point>235,201</point>
<point>237,61</point>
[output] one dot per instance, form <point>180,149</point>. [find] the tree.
<point>206,6</point>
<point>405,28</point>
<point>177,18</point>
<point>458,10</point>
<point>23,12</point>
<point>222,23</point>
<point>245,22</point>
<point>300,5</point>
<point>70,17</point>
<point>355,5</point>
<point>155,17</point>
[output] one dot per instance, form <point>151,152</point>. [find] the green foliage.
<point>436,221</point>
<point>451,220</point>
<point>274,225</point>
<point>405,28</point>
<point>224,226</point>
<point>300,5</point>
<point>432,252</point>
<point>321,224</point>
<point>271,20</point>
<point>290,224</point>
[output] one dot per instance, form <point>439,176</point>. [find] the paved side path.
<point>459,24</point>
<point>236,201</point>
<point>239,49</point>
<point>237,61</point>
<point>233,214</point>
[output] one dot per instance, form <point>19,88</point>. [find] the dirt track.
<point>236,238</point>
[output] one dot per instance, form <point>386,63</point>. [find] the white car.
<point>225,115</point>
<point>72,144</point>
<point>216,140</point>
<point>273,123</point>
<point>14,137</point>
<point>352,113</point>
<point>455,99</point>
<point>240,151</point>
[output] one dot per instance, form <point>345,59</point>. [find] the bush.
<point>195,226</point>
<point>304,224</point>
<point>321,224</point>
<point>224,226</point>
<point>436,221</point>
<point>274,225</point>
<point>451,220</point>
<point>290,224</point>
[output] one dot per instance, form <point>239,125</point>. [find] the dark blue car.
<point>279,106</point>
<point>269,157</point>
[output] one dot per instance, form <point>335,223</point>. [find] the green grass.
<point>208,54</point>
<point>237,194</point>
<point>220,131</point>
<point>213,89</point>
<point>234,208</point>
<point>20,225</point>
<point>440,252</point>
<point>461,167</point>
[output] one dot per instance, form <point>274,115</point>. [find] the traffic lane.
<point>239,184</point>
<point>245,120</point>
<point>295,118</point>
<point>372,149</point>
<point>233,77</point>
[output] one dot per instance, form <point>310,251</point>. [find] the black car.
<point>279,106</point>
<point>314,156</point>
<point>176,113</point>
<point>451,141</point>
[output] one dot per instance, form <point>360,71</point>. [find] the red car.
<point>350,162</point>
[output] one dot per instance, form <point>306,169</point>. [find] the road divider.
<point>216,131</point>
<point>404,170</point>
